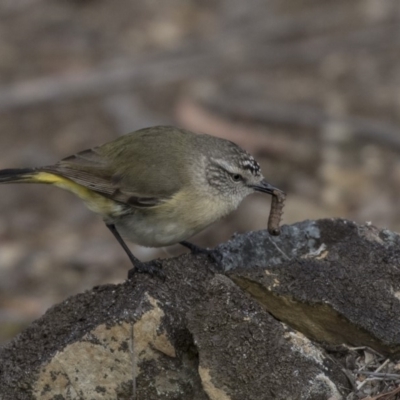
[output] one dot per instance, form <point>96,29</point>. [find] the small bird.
<point>156,186</point>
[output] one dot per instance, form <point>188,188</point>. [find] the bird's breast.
<point>179,218</point>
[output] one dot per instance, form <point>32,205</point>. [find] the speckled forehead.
<point>248,162</point>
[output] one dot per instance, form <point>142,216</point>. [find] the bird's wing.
<point>89,169</point>
<point>134,169</point>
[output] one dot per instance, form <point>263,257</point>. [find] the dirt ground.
<point>311,88</point>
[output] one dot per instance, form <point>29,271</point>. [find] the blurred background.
<point>310,87</point>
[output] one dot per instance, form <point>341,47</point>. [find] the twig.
<point>384,395</point>
<point>379,374</point>
<point>377,370</point>
<point>368,349</point>
<point>349,377</point>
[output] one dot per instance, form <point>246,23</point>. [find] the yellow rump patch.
<point>94,201</point>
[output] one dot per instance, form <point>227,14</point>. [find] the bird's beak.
<point>266,187</point>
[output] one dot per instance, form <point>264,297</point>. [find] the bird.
<point>155,187</point>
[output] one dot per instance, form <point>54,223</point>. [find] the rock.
<point>244,353</point>
<point>250,332</point>
<point>196,336</point>
<point>338,282</point>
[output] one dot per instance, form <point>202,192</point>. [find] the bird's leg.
<point>211,253</point>
<point>194,249</point>
<point>153,267</point>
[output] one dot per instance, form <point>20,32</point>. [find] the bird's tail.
<point>19,175</point>
<point>96,202</point>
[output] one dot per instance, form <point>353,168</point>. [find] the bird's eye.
<point>237,177</point>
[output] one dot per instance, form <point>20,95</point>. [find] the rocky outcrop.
<point>250,331</point>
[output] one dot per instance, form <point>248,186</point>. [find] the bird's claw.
<point>153,268</point>
<point>212,254</point>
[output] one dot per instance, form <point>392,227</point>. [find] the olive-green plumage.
<point>136,165</point>
<point>156,186</point>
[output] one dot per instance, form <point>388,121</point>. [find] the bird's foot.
<point>212,254</point>
<point>153,268</point>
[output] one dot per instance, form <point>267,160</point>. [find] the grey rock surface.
<point>340,285</point>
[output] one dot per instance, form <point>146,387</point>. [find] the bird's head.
<point>233,174</point>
